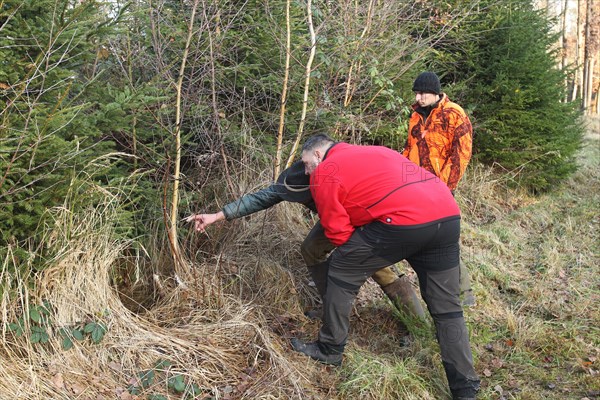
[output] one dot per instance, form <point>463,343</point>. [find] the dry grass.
<point>213,340</point>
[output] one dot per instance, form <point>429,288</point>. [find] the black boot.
<point>318,351</point>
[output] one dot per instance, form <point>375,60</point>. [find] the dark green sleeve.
<point>251,203</point>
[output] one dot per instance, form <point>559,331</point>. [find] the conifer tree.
<point>503,66</point>
<point>48,131</point>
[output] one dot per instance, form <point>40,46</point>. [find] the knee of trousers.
<point>440,290</point>
<point>307,253</point>
<point>314,250</point>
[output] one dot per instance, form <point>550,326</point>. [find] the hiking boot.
<point>315,351</point>
<point>468,393</point>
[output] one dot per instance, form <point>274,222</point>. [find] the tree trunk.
<point>577,79</point>
<point>598,99</point>
<point>178,119</point>
<point>589,85</point>
<point>564,47</point>
<point>311,57</point>
<point>586,60</point>
<point>592,44</point>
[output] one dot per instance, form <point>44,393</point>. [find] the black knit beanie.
<point>294,185</point>
<point>427,82</point>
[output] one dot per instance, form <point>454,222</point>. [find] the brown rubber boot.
<point>404,297</point>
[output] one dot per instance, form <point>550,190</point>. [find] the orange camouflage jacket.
<point>442,143</point>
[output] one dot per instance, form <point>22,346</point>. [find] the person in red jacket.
<point>379,208</point>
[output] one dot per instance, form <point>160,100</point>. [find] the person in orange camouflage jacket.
<point>440,139</point>
<point>440,134</point>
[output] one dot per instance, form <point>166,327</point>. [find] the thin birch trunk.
<point>177,134</point>
<point>564,47</point>
<point>284,90</point>
<point>578,72</point>
<point>313,49</point>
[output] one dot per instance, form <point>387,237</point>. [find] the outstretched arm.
<point>246,205</point>
<point>252,202</point>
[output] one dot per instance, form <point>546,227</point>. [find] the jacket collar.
<point>425,111</point>
<point>329,149</point>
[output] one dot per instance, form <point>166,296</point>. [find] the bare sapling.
<point>284,90</point>
<point>177,134</point>
<point>313,50</point>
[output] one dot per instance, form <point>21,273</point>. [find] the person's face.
<point>311,160</point>
<point>426,99</point>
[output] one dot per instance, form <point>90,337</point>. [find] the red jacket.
<point>356,185</point>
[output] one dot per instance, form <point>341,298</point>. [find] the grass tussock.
<point>221,329</point>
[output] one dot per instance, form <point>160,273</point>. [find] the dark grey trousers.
<point>433,252</point>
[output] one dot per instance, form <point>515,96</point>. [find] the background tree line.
<point>172,105</point>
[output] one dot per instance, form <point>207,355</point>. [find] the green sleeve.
<point>251,203</point>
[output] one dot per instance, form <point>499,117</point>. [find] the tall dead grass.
<point>213,340</point>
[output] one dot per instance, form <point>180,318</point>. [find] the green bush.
<point>502,64</point>
<point>50,138</point>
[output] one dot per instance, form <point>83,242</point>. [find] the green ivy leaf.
<point>98,333</point>
<point>134,390</point>
<point>196,389</point>
<point>46,307</point>
<point>34,315</point>
<point>67,343</point>
<point>44,337</point>
<point>16,328</point>
<point>77,334</point>
<point>35,337</point>
<point>177,383</point>
<point>146,378</point>
<point>161,365</point>
<point>89,327</point>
